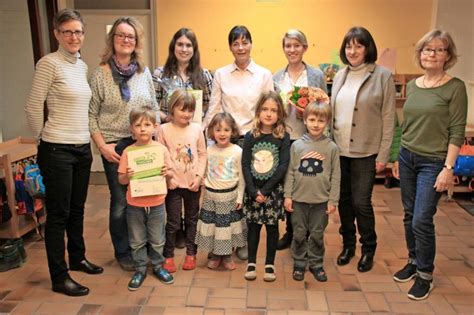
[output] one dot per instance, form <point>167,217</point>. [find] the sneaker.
<point>163,275</point>
<point>319,274</point>
<point>269,275</point>
<point>421,289</point>
<point>406,273</point>
<point>298,274</point>
<point>169,265</point>
<point>228,262</point>
<point>251,273</point>
<point>242,253</point>
<point>126,263</point>
<point>189,262</point>
<point>136,281</point>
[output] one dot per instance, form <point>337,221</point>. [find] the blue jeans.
<point>417,177</point>
<point>66,170</point>
<point>146,226</point>
<point>355,203</point>
<point>311,218</point>
<point>118,205</point>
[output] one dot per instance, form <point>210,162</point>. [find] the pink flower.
<point>302,102</point>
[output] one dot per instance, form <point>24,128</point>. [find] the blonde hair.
<point>280,126</point>
<point>137,54</point>
<point>318,110</point>
<point>295,34</point>
<point>446,38</point>
<point>140,113</point>
<point>181,97</point>
<point>229,120</point>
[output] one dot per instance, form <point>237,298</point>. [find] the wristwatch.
<point>449,167</point>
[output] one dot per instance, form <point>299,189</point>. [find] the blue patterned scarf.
<point>121,75</point>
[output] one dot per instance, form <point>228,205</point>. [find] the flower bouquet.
<point>300,97</point>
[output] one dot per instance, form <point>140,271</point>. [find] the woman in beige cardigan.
<point>363,101</point>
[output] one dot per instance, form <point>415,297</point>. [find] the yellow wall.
<point>392,23</point>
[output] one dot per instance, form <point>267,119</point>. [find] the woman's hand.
<point>379,166</point>
<point>396,170</point>
<point>288,204</point>
<point>444,180</point>
<point>108,152</point>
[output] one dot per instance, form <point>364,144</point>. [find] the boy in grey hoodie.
<point>312,191</point>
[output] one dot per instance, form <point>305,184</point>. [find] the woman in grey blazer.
<point>363,102</point>
<point>296,73</point>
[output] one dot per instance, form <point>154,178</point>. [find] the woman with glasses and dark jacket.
<point>120,83</point>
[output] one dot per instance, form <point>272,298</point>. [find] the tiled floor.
<point>202,291</point>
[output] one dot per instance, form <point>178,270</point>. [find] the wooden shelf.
<point>10,152</point>
<point>401,81</point>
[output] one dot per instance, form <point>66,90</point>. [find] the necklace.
<point>435,84</point>
<point>294,75</point>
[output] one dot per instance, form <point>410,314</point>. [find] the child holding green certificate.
<point>145,213</point>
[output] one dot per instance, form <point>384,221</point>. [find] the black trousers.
<point>66,170</point>
<point>355,203</point>
<point>253,238</point>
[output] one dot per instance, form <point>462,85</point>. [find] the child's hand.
<point>195,184</point>
<point>288,204</point>
<point>172,184</point>
<point>379,166</point>
<point>130,172</point>
<point>164,171</point>
<point>260,197</point>
<point>238,206</point>
<point>331,209</point>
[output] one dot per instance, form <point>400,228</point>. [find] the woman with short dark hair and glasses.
<point>363,100</point>
<point>433,128</point>
<point>64,153</point>
<point>120,83</point>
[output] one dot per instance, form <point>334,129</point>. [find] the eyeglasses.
<point>437,51</point>
<point>121,36</point>
<point>70,33</point>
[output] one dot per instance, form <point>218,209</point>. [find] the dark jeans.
<point>118,204</point>
<point>174,204</point>
<point>253,238</point>
<point>355,203</point>
<point>312,219</point>
<point>417,177</point>
<point>66,170</point>
<point>117,215</point>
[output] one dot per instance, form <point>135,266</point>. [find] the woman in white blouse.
<point>237,86</point>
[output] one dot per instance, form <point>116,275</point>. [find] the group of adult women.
<point>363,101</point>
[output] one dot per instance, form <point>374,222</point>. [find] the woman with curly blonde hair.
<point>122,82</point>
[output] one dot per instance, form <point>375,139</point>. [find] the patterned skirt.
<point>220,225</point>
<point>268,212</point>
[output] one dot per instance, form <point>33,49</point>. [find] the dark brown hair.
<point>229,120</point>
<point>362,36</point>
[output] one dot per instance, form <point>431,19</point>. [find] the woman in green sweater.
<point>433,130</point>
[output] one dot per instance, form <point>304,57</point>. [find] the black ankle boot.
<point>345,256</point>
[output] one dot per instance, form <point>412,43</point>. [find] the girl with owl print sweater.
<point>265,159</point>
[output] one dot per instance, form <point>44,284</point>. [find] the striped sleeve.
<point>42,82</point>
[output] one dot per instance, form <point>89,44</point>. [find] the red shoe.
<point>169,265</point>
<point>229,263</point>
<point>189,262</point>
